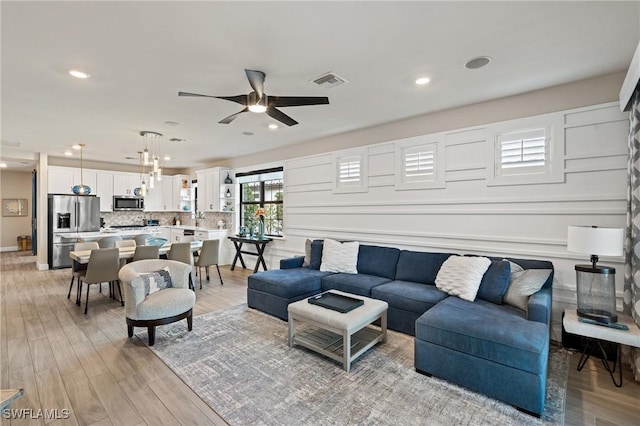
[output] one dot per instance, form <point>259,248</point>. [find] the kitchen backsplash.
<point>136,218</point>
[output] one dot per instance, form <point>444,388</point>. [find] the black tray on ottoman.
<point>336,302</point>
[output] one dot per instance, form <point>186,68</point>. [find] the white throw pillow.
<point>340,257</point>
<point>307,253</point>
<point>461,276</point>
<point>523,284</point>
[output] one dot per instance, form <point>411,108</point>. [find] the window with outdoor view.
<point>262,189</point>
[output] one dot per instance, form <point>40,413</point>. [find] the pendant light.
<point>81,189</point>
<point>142,190</point>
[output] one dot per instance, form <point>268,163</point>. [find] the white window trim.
<point>429,143</point>
<point>553,171</point>
<point>353,187</point>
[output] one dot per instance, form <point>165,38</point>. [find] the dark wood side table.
<point>260,245</point>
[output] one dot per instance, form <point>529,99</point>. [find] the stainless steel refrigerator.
<point>68,215</point>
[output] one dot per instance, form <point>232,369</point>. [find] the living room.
<point>467,207</point>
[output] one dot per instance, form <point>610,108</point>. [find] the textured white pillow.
<point>307,253</point>
<point>523,284</point>
<point>340,257</point>
<point>461,276</point>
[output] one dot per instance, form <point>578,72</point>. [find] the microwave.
<point>127,202</point>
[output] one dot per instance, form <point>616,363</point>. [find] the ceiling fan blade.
<point>232,117</point>
<point>256,80</point>
<point>288,101</point>
<point>195,94</point>
<point>281,116</point>
<point>239,99</point>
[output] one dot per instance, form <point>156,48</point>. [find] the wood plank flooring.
<point>86,364</point>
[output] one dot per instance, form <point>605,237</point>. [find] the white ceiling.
<point>140,54</point>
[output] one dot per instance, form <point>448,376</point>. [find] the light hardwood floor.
<point>85,363</point>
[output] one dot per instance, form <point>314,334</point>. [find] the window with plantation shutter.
<point>419,164</point>
<point>522,152</point>
<point>349,171</point>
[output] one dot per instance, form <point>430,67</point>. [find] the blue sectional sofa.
<point>487,346</point>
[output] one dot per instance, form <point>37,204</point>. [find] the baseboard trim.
<point>10,248</point>
<point>42,266</point>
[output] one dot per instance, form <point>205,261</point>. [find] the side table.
<point>595,333</point>
<point>260,245</point>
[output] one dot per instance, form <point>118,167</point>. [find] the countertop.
<point>196,228</point>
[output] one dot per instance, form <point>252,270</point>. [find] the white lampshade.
<point>596,241</point>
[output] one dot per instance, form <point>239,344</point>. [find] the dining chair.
<point>182,253</point>
<point>141,239</point>
<point>109,242</point>
<point>77,268</point>
<point>146,252</point>
<point>122,244</point>
<point>103,266</point>
<point>209,257</point>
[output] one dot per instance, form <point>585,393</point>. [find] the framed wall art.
<point>14,207</point>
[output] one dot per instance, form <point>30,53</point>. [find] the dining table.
<point>82,256</point>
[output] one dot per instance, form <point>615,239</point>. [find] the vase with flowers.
<point>260,213</point>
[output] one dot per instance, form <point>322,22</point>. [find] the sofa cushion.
<point>495,282</point>
<point>461,276</point>
<point>379,261</point>
<point>419,267</point>
<point>287,283</point>
<point>360,284</point>
<point>498,333</point>
<point>340,257</point>
<point>409,296</point>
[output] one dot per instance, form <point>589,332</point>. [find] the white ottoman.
<point>340,336</point>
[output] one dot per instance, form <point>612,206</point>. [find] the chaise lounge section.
<point>485,345</point>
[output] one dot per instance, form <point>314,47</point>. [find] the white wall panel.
<point>467,215</point>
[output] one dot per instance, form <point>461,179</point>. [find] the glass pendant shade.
<point>156,164</point>
<point>81,189</point>
<point>145,156</point>
<point>159,174</point>
<point>143,189</point>
<point>151,181</point>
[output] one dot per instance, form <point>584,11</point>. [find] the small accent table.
<point>341,337</point>
<point>260,244</point>
<point>595,333</point>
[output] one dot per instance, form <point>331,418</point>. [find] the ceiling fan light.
<point>257,108</point>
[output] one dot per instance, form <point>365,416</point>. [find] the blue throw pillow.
<point>316,254</point>
<point>495,282</point>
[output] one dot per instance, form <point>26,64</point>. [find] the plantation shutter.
<point>523,149</point>
<point>349,171</point>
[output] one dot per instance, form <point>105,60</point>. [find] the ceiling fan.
<point>258,101</point>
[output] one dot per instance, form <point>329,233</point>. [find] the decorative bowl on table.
<point>156,241</point>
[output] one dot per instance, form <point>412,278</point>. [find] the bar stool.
<point>141,239</point>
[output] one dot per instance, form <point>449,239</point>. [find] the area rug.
<point>238,361</point>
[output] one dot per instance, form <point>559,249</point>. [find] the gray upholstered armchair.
<point>161,307</point>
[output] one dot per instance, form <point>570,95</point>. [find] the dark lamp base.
<point>600,316</point>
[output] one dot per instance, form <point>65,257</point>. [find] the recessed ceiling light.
<point>478,62</point>
<point>76,147</point>
<point>68,153</point>
<point>273,126</point>
<point>79,74</point>
<point>247,133</point>
<point>167,158</point>
<point>3,165</point>
<point>422,81</point>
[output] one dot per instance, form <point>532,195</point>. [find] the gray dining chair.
<point>124,243</point>
<point>141,239</point>
<point>78,268</point>
<point>209,257</point>
<point>182,253</point>
<point>109,242</point>
<point>146,252</point>
<point>103,267</point>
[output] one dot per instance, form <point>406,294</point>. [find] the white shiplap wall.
<point>469,215</point>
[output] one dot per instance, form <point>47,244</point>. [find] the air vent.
<point>329,80</point>
<point>176,140</point>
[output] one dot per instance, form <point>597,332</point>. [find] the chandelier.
<point>151,140</point>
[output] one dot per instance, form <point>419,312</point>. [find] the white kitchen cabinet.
<point>60,180</point>
<point>125,183</point>
<point>153,201</point>
<point>104,190</point>
<point>165,232</point>
<point>206,200</point>
<point>213,196</point>
<point>168,204</point>
<point>182,192</point>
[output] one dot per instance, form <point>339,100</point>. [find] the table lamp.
<point>596,285</point>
